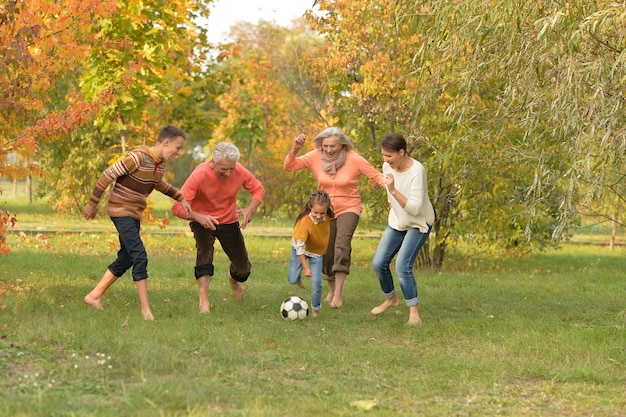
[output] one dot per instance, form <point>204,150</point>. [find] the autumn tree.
<point>263,112</point>
<point>40,43</point>
<point>510,104</point>
<point>144,58</point>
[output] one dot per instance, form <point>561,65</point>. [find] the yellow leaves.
<point>363,405</point>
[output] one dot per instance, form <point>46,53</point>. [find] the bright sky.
<point>225,13</point>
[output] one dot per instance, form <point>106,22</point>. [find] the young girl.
<point>309,243</point>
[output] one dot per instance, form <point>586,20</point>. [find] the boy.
<point>135,176</point>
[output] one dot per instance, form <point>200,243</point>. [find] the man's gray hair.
<point>333,131</point>
<point>225,151</point>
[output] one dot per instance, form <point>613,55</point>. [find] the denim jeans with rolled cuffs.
<point>132,250</point>
<point>295,274</point>
<point>405,245</point>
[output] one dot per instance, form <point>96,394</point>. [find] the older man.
<point>211,190</point>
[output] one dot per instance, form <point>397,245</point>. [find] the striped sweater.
<point>135,176</point>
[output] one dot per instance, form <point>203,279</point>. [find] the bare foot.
<point>301,284</point>
<point>236,287</point>
<point>315,313</point>
<point>389,302</point>
<point>414,315</point>
<point>329,297</point>
<point>336,302</point>
<point>205,307</point>
<point>94,302</point>
<point>147,315</point>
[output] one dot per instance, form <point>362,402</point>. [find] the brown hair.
<point>318,197</point>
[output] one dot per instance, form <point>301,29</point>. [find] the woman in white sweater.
<point>411,216</point>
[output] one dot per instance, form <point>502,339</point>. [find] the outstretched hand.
<point>89,211</point>
<point>247,216</point>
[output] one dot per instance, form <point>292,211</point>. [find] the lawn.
<point>536,336</point>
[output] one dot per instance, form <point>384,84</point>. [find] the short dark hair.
<point>171,132</point>
<point>394,142</point>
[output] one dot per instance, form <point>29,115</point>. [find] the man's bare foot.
<point>389,302</point>
<point>94,302</point>
<point>236,287</point>
<point>336,302</point>
<point>315,313</point>
<point>301,284</point>
<point>205,307</point>
<point>147,315</point>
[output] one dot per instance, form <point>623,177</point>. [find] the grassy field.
<point>538,336</point>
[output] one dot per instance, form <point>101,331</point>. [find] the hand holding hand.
<point>185,205</point>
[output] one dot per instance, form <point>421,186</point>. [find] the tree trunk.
<point>29,189</point>
<point>123,134</point>
<point>613,234</point>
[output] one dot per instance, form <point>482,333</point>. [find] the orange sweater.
<point>343,187</point>
<point>207,194</point>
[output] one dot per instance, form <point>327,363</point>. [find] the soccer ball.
<point>294,308</point>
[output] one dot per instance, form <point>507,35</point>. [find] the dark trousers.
<point>132,250</point>
<point>231,240</point>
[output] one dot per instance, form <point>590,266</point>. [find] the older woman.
<point>337,169</point>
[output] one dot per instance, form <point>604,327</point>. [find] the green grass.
<point>536,336</point>
<point>542,335</point>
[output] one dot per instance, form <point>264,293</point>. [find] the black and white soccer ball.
<point>294,308</point>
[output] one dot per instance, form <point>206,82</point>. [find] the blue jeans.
<point>132,251</point>
<point>295,275</point>
<point>406,244</point>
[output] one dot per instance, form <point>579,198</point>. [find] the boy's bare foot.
<point>147,315</point>
<point>301,284</point>
<point>94,302</point>
<point>389,302</point>
<point>315,313</point>
<point>336,302</point>
<point>414,320</point>
<point>236,287</point>
<point>205,307</point>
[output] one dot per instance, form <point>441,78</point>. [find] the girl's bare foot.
<point>147,315</point>
<point>329,297</point>
<point>95,302</point>
<point>205,307</point>
<point>236,287</point>
<point>389,302</point>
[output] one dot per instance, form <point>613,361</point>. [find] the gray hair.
<point>333,131</point>
<point>225,151</point>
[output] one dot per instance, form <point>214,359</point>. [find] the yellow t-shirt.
<point>310,238</point>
